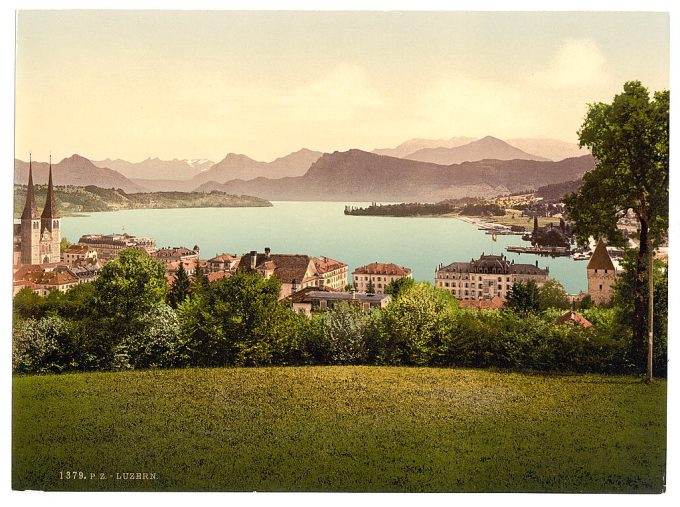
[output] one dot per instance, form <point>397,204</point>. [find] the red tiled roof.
<point>51,278</point>
<point>326,264</point>
<point>574,317</point>
<point>379,268</point>
<point>223,258</point>
<point>213,277</point>
<point>495,303</point>
<point>287,267</point>
<point>79,249</point>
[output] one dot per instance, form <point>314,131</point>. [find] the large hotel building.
<point>487,277</point>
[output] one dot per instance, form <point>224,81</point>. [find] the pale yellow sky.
<point>192,84</point>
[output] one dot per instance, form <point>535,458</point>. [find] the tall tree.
<point>179,290</point>
<point>629,138</point>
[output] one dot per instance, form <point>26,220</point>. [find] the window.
<point>600,287</point>
<point>446,284</point>
<point>595,270</point>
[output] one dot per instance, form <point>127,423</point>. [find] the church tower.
<point>30,225</point>
<point>601,275</point>
<point>50,226</point>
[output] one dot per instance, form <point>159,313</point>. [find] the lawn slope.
<point>339,429</point>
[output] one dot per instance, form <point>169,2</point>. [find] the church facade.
<point>40,234</point>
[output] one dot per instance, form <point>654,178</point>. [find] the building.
<point>294,271</point>
<point>377,276</point>
<point>176,254</point>
<point>490,276</point>
<point>223,262</point>
<point>86,270</point>
<point>40,235</point>
<point>75,253</point>
<point>109,245</point>
<point>331,273</point>
<point>601,275</point>
<point>311,299</point>
<point>44,278</point>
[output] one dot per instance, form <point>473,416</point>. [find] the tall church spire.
<point>50,210</point>
<point>30,211</point>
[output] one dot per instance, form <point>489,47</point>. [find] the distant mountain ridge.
<point>235,166</point>
<point>357,175</point>
<point>413,145</point>
<point>486,148</point>
<point>157,169</point>
<point>545,148</point>
<point>74,170</point>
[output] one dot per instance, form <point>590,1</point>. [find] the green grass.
<point>340,429</point>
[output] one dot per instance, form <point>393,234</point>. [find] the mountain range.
<point>485,148</point>
<point>357,175</point>
<point>235,166</point>
<point>453,167</point>
<point>157,169</point>
<point>74,170</point>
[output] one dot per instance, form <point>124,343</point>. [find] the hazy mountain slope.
<point>413,145</point>
<point>156,169</point>
<point>74,170</point>
<point>552,149</point>
<point>357,175</point>
<point>235,166</point>
<point>485,148</point>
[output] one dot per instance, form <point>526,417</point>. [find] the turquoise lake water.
<point>321,229</point>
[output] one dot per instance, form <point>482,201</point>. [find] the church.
<point>40,234</point>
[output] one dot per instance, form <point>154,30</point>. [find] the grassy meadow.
<point>339,429</point>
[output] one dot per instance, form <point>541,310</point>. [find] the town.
<point>44,263</point>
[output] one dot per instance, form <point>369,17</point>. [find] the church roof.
<point>50,210</point>
<point>600,258</point>
<point>30,211</point>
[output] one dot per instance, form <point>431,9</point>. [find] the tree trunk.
<point>650,307</point>
<point>639,309</point>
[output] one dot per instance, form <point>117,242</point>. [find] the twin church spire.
<point>30,210</point>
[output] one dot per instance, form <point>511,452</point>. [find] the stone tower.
<point>50,226</point>
<point>30,225</point>
<point>601,275</point>
<point>40,235</point>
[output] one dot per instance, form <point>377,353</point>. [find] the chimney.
<point>267,251</point>
<point>253,259</point>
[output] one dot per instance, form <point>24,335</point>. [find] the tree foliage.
<point>552,295</point>
<point>523,297</point>
<point>179,290</point>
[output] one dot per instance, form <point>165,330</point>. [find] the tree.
<point>624,289</point>
<point>523,297</point>
<point>370,288</point>
<point>416,323</point>
<point>344,330</point>
<point>128,287</point>
<point>629,138</point>
<point>200,281</point>
<point>397,287</point>
<point>65,243</point>
<point>179,290</point>
<point>552,295</point>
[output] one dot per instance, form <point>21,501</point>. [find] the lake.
<point>320,229</point>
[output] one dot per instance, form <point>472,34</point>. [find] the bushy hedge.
<point>240,321</point>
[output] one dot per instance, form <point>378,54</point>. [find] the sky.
<point>199,84</point>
